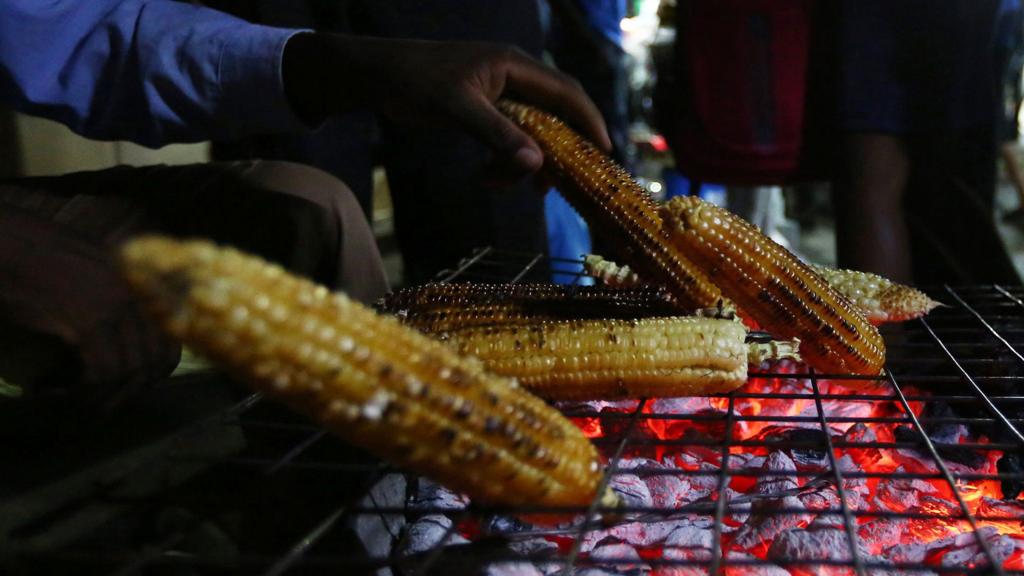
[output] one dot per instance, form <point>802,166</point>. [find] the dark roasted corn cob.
<point>378,384</point>
<point>615,206</point>
<point>781,293</point>
<point>605,359</point>
<point>880,300</point>
<point>434,308</point>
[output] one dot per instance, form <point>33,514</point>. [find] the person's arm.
<point>436,82</point>
<point>149,71</point>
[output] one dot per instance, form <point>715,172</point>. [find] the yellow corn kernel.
<point>605,359</point>
<point>880,299</point>
<point>380,385</point>
<point>615,206</point>
<point>434,308</point>
<point>775,288</point>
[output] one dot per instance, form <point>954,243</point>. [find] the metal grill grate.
<point>964,356</point>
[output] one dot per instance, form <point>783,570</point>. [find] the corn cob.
<point>434,308</point>
<point>615,206</point>
<point>380,385</point>
<point>606,359</point>
<point>610,273</point>
<point>781,293</point>
<point>880,300</point>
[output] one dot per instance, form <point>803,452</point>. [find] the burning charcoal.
<point>777,463</point>
<point>970,458</point>
<point>432,495</point>
<point>691,536</point>
<point>685,555</point>
<point>810,449</point>
<point>747,569</point>
<point>640,534</point>
<point>639,464</point>
<point>917,552</point>
<point>533,547</point>
<point>766,523</point>
<point>684,406</point>
<point>809,545</point>
<point>738,512</point>
<point>704,484</point>
<point>1002,547</point>
<point>512,569</point>
<point>899,495</point>
<point>824,499</point>
<point>1003,508</point>
<point>828,521</point>
<point>632,489</point>
<point>426,533</point>
<point>1012,464</point>
<point>861,433</point>
<point>595,572</point>
<point>880,533</point>
<point>668,491</point>
<point>619,553</point>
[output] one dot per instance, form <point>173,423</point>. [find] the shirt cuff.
<point>251,81</point>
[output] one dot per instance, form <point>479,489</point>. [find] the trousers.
<point>68,323</point>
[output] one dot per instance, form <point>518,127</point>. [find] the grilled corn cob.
<point>380,385</point>
<point>781,293</point>
<point>615,206</point>
<point>605,359</point>
<point>610,273</point>
<point>880,300</point>
<point>434,308</point>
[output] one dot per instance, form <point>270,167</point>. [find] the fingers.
<point>558,93</point>
<point>501,133</point>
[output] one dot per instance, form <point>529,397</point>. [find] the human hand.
<point>436,82</point>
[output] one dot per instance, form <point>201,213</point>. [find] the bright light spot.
<point>654,187</point>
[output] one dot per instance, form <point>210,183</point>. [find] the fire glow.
<point>783,512</point>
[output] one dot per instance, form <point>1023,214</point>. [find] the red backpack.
<point>736,113</point>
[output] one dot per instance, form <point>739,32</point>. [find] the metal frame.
<point>956,347</point>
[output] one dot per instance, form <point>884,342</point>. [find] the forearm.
<point>150,71</point>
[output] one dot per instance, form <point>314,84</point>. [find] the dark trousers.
<point>62,303</point>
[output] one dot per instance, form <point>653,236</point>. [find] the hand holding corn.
<point>382,386</point>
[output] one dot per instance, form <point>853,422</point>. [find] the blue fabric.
<point>149,71</point>
<point>568,239</point>
<point>606,17</point>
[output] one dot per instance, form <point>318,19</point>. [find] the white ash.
<point>779,464</point>
<point>754,569</point>
<point>880,533</point>
<point>700,558</point>
<point>432,495</point>
<point>826,543</point>
<point>626,557</point>
<point>691,536</point>
<point>632,489</point>
<point>512,569</point>
<point>641,534</point>
<point>765,525</point>
<point>902,493</point>
<point>427,533</point>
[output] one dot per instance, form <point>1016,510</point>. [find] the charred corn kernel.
<point>434,308</point>
<point>880,299</point>
<point>610,273</point>
<point>604,359</point>
<point>615,206</point>
<point>775,288</point>
<point>380,385</point>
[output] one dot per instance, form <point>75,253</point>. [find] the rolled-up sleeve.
<point>149,71</point>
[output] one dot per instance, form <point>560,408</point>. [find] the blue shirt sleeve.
<point>148,71</point>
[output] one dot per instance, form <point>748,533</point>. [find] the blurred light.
<point>628,24</point>
<point>654,187</point>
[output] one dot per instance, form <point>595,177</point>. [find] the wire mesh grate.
<point>916,472</point>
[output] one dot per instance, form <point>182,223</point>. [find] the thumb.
<point>507,140</point>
